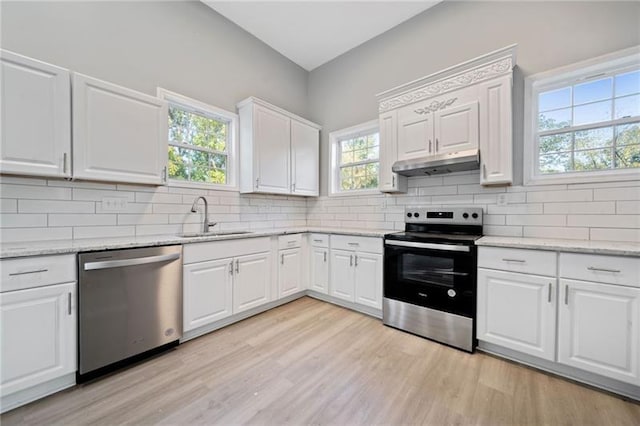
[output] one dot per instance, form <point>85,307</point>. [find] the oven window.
<point>429,270</point>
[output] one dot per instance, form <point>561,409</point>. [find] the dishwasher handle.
<point>92,266</point>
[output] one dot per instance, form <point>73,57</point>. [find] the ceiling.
<point>311,33</point>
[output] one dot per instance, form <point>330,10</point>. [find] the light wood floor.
<point>309,362</point>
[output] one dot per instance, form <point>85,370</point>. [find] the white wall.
<point>549,35</point>
<point>183,46</point>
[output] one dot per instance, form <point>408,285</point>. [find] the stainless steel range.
<point>430,274</point>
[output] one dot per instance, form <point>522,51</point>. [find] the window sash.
<point>197,148</point>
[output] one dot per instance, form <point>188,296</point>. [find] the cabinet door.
<point>389,181</point>
<point>456,128</point>
<point>289,272</point>
<point>369,279</point>
<point>119,135</point>
<point>320,269</point>
<point>36,117</point>
<point>415,133</point>
<point>495,132</point>
<point>38,340</point>
<point>305,159</point>
<point>342,284</point>
<point>517,311</point>
<point>207,292</point>
<point>599,329</point>
<point>251,281</point>
<point>272,145</point>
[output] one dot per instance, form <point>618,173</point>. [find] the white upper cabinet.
<point>389,181</point>
<point>305,159</point>
<point>119,135</point>
<point>495,132</point>
<point>456,128</point>
<point>465,107</point>
<point>279,151</point>
<point>36,117</point>
<point>272,160</point>
<point>415,133</point>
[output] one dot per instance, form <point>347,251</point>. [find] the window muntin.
<point>201,143</point>
<point>359,162</point>
<point>591,125</point>
<point>197,146</point>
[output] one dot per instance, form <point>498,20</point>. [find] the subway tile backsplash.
<point>40,209</point>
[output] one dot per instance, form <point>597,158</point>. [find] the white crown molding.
<point>480,69</point>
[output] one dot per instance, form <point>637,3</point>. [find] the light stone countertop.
<point>39,248</point>
<point>618,248</point>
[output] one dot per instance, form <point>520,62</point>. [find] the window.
<point>584,122</point>
<point>355,159</point>
<point>202,141</point>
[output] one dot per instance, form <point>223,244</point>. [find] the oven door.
<point>433,275</point>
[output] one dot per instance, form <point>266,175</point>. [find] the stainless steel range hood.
<point>439,164</point>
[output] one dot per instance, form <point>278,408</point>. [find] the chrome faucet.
<point>205,223</point>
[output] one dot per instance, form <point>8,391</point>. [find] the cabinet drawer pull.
<point>615,271</point>
<point>351,260</point>
<point>325,256</point>
<point>393,181</point>
<point>69,303</point>
<point>231,268</point>
<point>291,242</point>
<point>549,295</point>
<point>317,241</point>
<point>64,163</point>
<point>429,146</point>
<point>237,266</point>
<point>566,295</point>
<point>514,260</point>
<point>282,259</point>
<point>437,144</point>
<point>13,274</point>
<point>354,244</point>
<point>356,262</point>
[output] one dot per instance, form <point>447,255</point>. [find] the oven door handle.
<point>445,272</point>
<point>431,246</point>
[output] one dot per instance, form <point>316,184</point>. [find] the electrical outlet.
<point>114,204</point>
<point>502,200</point>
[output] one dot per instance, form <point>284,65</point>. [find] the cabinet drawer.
<point>348,242</point>
<point>518,260</point>
<point>319,240</point>
<point>200,252</point>
<point>29,272</point>
<point>289,241</point>
<point>602,269</point>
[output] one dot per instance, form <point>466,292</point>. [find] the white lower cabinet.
<point>356,275</point>
<point>208,289</point>
<point>319,270</point>
<point>290,272</point>
<point>38,340</point>
<point>251,281</point>
<point>517,311</point>
<point>599,329</point>
<point>342,275</point>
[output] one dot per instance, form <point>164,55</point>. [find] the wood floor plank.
<point>310,362</point>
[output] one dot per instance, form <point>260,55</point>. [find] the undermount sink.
<point>213,234</point>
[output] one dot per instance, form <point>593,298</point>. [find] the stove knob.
<point>416,214</point>
<point>465,215</point>
<point>475,215</point>
<point>409,215</point>
<point>451,293</point>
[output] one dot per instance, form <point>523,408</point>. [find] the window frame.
<point>335,138</point>
<point>201,108</point>
<point>580,72</point>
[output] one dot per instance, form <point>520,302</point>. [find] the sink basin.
<point>213,234</point>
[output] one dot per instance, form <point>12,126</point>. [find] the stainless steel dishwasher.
<point>130,306</point>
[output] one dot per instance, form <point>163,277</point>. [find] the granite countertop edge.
<point>53,247</point>
<point>619,248</point>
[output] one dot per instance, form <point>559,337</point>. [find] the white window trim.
<point>560,77</point>
<point>334,173</point>
<point>232,153</point>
